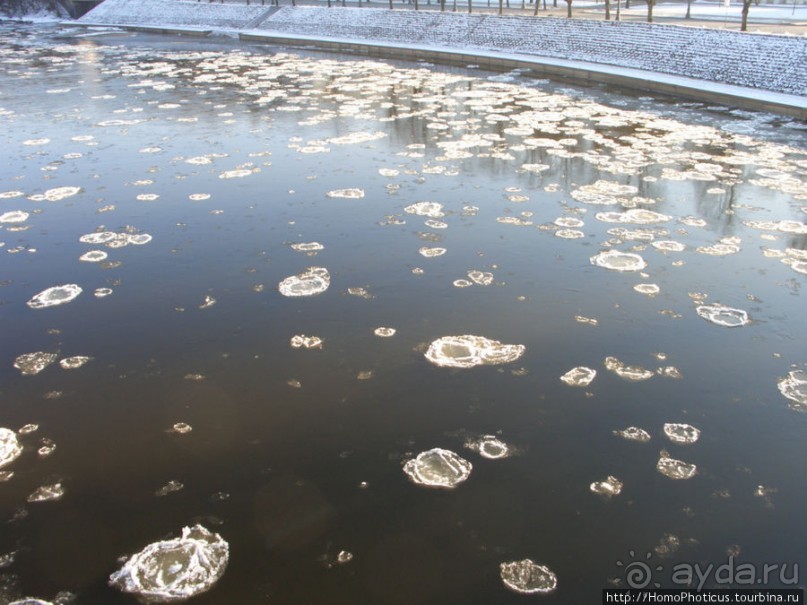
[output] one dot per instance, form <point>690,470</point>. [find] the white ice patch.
<point>354,194</point>
<point>31,364</point>
<point>431,252</point>
<point>794,387</point>
<point>300,341</point>
<point>611,486</point>
<point>383,332</point>
<point>438,468</point>
<point>468,351</point>
<point>668,246</point>
<point>47,493</point>
<point>14,216</point>
<point>57,295</point>
<point>675,469</point>
<point>308,247</point>
<point>634,216</point>
<point>727,317</point>
<point>633,433</point>
<point>480,278</point>
<point>489,446</point>
<point>629,373</point>
<point>682,434</point>
<point>312,281</point>
<point>647,289</point>
<point>175,570</point>
<point>580,376</point>
<point>93,256</point>
<point>528,577</point>
<point>618,261</point>
<point>55,195</point>
<point>428,209</point>
<point>10,448</point>
<point>75,362</point>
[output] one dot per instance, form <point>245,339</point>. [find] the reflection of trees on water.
<point>798,242</point>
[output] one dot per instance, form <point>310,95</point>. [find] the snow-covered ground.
<point>766,62</point>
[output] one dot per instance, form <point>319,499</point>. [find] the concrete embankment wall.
<point>577,48</point>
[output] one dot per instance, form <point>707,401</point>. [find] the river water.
<point>660,246</point>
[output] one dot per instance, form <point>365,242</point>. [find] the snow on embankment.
<point>761,61</point>
<point>768,62</point>
<point>178,13</point>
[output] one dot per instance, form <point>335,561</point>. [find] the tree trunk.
<point>650,4</point>
<point>607,10</point>
<point>535,10</point>
<point>390,4</point>
<point>689,10</point>
<point>746,8</point>
<point>470,6</point>
<point>416,4</point>
<point>501,7</point>
<point>569,9</point>
<point>618,2</point>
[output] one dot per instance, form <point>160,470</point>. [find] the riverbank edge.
<point>576,71</point>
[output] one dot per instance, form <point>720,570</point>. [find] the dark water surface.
<point>296,454</point>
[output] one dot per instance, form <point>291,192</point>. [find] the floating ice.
<point>181,428</point>
<point>527,577</point>
<point>310,282</point>
<point>30,364</point>
<point>238,173</point>
<point>633,433</point>
<point>438,468</point>
<point>138,239</point>
<point>93,256</point>
<point>431,252</point>
<point>569,234</point>
<point>10,448</point>
<point>723,316</point>
<point>794,387</point>
<point>55,195</point>
<point>15,216</point>
<point>480,278</point>
<point>631,373</point>
<point>675,469</point>
<point>580,376</point>
<point>346,193</point>
<point>102,292</point>
<point>308,247</point>
<point>47,493</point>
<point>429,209</point>
<point>299,341</point>
<point>668,246</point>
<point>72,363</point>
<point>169,488</point>
<point>467,351</point>
<point>648,289</point>
<point>489,446</point>
<point>610,487</point>
<point>30,601</point>
<point>435,224</point>
<point>384,332</point>
<point>719,249</point>
<point>57,295</point>
<point>147,197</point>
<point>175,570</point>
<point>619,261</point>
<point>683,434</point>
<point>635,216</point>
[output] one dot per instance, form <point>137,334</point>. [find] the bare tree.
<point>501,7</point>
<point>650,5</point>
<point>689,10</point>
<point>569,8</point>
<point>746,8</point>
<point>470,6</point>
<point>607,10</point>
